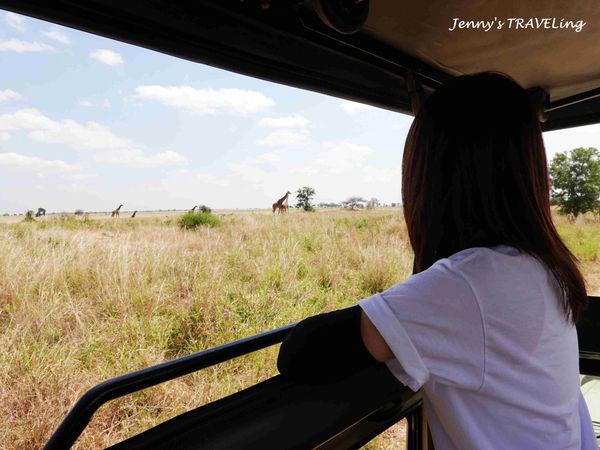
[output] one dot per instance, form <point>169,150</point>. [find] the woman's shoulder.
<point>476,256</point>
<point>476,269</point>
<point>485,264</point>
<point>501,266</point>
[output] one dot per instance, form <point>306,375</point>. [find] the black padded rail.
<point>279,414</point>
<point>80,415</point>
<point>588,333</point>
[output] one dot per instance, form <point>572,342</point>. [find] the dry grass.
<point>85,300</point>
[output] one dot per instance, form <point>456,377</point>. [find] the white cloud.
<point>4,136</point>
<point>186,187</point>
<point>134,157</point>
<point>381,175</point>
<point>57,35</point>
<point>248,170</point>
<point>269,157</point>
<point>89,104</point>
<point>354,107</point>
<point>108,57</point>
<point>108,147</point>
<point>339,157</point>
<point>15,21</point>
<point>296,121</point>
<point>206,101</point>
<point>42,166</point>
<point>284,138</point>
<point>212,179</point>
<point>19,46</point>
<point>336,158</point>
<point>255,169</point>
<point>8,94</point>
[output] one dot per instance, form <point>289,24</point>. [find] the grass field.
<point>86,299</point>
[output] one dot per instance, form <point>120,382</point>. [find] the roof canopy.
<point>287,42</point>
<point>525,41</point>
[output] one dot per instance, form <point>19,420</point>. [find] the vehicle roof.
<point>563,61</point>
<point>286,42</point>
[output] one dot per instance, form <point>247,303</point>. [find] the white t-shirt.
<point>484,335</point>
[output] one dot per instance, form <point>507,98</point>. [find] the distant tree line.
<point>305,194</point>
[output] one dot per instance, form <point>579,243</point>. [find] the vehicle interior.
<point>384,53</point>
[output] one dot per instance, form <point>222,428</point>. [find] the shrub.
<point>79,212</point>
<point>204,209</point>
<point>192,220</point>
<point>29,216</point>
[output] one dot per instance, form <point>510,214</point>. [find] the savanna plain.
<point>87,298</point>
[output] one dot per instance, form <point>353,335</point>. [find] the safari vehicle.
<point>385,53</point>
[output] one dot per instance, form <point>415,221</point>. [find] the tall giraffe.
<point>281,204</point>
<point>134,213</point>
<point>284,206</point>
<point>115,212</point>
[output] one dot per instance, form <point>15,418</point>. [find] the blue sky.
<point>87,122</point>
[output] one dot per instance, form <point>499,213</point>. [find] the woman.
<point>486,324</point>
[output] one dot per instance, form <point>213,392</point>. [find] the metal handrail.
<point>80,415</point>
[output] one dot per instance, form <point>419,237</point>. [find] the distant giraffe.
<point>284,206</point>
<point>40,212</point>
<point>134,213</point>
<point>281,204</point>
<point>193,209</point>
<point>115,213</point>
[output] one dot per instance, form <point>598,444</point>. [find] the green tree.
<point>304,197</point>
<point>576,181</point>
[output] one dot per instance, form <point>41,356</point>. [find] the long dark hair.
<point>474,174</point>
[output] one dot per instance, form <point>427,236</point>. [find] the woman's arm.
<point>373,341</point>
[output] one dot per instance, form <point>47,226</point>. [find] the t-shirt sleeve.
<point>434,326</point>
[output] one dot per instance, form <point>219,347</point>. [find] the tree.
<point>304,196</point>
<point>354,202</point>
<point>373,203</point>
<point>575,179</point>
<point>328,205</point>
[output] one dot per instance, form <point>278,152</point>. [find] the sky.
<point>89,123</point>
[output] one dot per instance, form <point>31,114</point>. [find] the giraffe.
<point>281,204</point>
<point>193,209</point>
<point>284,206</point>
<point>115,213</point>
<point>134,213</point>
